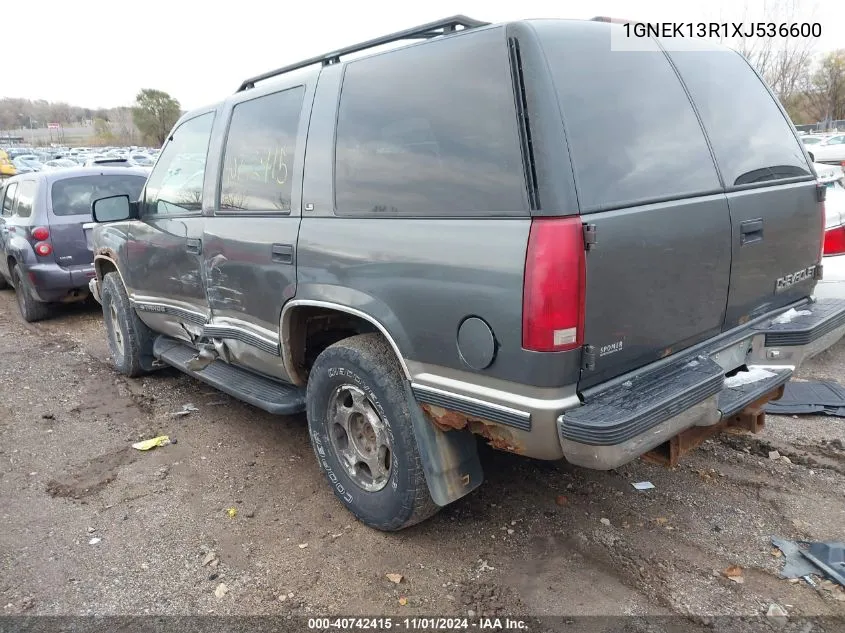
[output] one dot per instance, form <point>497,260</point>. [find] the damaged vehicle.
<point>506,232</point>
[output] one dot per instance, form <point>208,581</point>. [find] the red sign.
<point>53,126</point>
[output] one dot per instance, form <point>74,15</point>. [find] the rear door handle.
<point>750,231</point>
<point>282,253</point>
<point>193,245</point>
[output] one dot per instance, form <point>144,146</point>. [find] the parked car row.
<point>826,148</point>
<point>23,160</point>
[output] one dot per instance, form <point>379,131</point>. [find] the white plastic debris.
<point>484,566</point>
<point>790,315</point>
<point>94,541</point>
<point>643,485</point>
<point>187,409</point>
<point>755,374</point>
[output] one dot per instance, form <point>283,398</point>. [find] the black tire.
<point>30,309</point>
<point>812,158</point>
<point>130,341</point>
<point>366,363</point>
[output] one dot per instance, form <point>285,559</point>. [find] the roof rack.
<point>424,31</point>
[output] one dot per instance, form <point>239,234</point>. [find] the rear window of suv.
<point>73,196</point>
<point>633,135</point>
<point>751,138</point>
<point>430,130</point>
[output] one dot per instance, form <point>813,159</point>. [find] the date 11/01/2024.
<point>722,29</point>
<point>417,623</point>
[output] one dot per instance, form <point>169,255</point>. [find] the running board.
<point>271,395</point>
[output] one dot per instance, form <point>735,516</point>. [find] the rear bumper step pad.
<point>264,393</point>
<point>825,316</point>
<point>734,399</point>
<point>629,409</point>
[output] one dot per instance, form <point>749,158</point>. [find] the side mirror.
<point>114,209</point>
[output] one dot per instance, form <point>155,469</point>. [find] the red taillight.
<point>40,233</point>
<point>43,249</point>
<point>834,241</point>
<point>554,290</point>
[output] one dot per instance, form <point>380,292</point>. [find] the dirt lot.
<point>537,538</point>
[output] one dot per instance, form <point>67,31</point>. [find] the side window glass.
<point>430,131</point>
<point>26,196</point>
<point>9,199</point>
<point>632,131</point>
<point>258,159</point>
<point>175,185</point>
<point>752,141</point>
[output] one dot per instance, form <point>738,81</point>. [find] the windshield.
<point>73,196</point>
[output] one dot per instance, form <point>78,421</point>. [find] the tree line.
<point>811,88</point>
<point>147,121</point>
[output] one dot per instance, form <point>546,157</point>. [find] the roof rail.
<point>424,31</point>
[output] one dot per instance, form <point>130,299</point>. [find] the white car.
<point>830,150</point>
<point>60,163</point>
<point>813,139</point>
<point>833,263</point>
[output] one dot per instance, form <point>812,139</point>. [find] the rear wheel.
<point>360,428</point>
<point>130,341</point>
<point>30,309</point>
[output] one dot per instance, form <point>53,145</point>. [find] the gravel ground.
<point>91,526</point>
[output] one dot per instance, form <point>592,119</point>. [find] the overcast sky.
<point>99,53</point>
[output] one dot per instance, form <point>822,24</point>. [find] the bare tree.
<point>783,62</point>
<point>125,126</point>
<point>824,89</point>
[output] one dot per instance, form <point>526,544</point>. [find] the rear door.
<point>250,240</point>
<point>657,276</point>
<point>776,219</point>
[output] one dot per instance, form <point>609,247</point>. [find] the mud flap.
<point>450,459</point>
